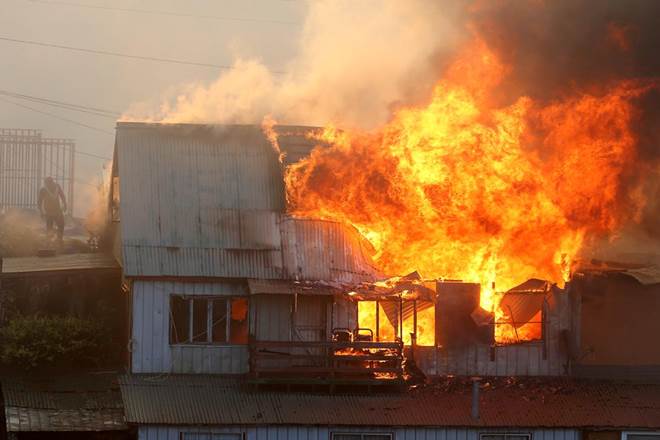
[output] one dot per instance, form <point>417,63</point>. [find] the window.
<point>208,320</point>
<point>211,436</point>
<point>505,436</point>
<point>640,435</point>
<point>361,436</point>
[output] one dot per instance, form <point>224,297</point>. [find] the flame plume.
<point>463,188</point>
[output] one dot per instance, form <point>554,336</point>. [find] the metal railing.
<point>327,360</point>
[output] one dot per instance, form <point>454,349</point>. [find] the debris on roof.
<point>505,402</point>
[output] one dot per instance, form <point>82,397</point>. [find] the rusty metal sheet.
<point>212,400</point>
<point>69,263</point>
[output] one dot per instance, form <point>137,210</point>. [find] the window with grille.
<point>210,436</point>
<point>208,320</point>
<point>361,436</point>
<point>506,436</point>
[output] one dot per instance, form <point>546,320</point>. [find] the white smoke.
<point>356,62</point>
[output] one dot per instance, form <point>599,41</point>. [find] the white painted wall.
<point>151,350</point>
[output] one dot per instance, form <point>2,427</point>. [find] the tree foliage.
<point>54,341</point>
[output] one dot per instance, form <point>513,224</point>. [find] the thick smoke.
<point>357,61</point>
<point>561,47</point>
<point>360,61</point>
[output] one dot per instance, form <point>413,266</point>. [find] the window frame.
<point>506,434</point>
<point>183,434</point>
<point>625,434</point>
<point>209,318</point>
<point>361,434</point>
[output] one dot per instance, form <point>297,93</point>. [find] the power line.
<point>121,55</point>
<point>166,13</point>
<point>71,121</point>
<point>64,105</point>
<point>84,153</point>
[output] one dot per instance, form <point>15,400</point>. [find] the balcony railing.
<point>326,362</point>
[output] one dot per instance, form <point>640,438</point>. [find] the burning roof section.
<point>209,201</point>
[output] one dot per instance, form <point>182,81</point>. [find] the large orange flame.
<point>464,189</point>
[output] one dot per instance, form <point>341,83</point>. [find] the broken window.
<point>505,436</point>
<point>208,320</point>
<point>238,329</point>
<point>361,436</point>
<point>522,312</point>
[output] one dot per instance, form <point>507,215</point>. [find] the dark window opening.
<point>361,436</point>
<point>211,436</point>
<point>506,436</point>
<point>179,320</point>
<point>199,320</point>
<point>640,435</point>
<point>219,320</point>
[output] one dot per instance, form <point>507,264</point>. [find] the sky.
<point>267,30</point>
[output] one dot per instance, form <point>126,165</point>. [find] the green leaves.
<point>30,342</point>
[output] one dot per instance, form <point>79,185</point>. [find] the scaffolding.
<point>26,158</point>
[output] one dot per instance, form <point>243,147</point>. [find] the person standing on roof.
<point>49,206</point>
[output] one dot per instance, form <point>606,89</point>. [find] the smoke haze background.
<point>346,63</point>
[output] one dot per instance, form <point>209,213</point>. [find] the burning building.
<point>229,292</point>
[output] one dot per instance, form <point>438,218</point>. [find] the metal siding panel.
<point>324,250</point>
<point>169,176</point>
<point>152,352</point>
<point>148,324</point>
<point>138,330</point>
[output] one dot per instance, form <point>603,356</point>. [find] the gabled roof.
<point>209,201</point>
<point>208,400</point>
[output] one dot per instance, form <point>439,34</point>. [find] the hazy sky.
<point>114,83</point>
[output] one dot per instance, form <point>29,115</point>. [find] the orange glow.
<point>425,327</point>
<point>463,188</point>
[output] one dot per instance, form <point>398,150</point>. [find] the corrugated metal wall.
<point>543,358</point>
<point>270,320</point>
<point>151,350</point>
<point>324,432</point>
<point>199,201</point>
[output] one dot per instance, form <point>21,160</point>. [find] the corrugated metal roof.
<point>19,266</point>
<point>86,402</point>
<point>325,250</point>
<point>204,400</point>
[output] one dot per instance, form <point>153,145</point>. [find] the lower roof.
<point>549,403</point>
<point>76,402</point>
<point>57,264</point>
